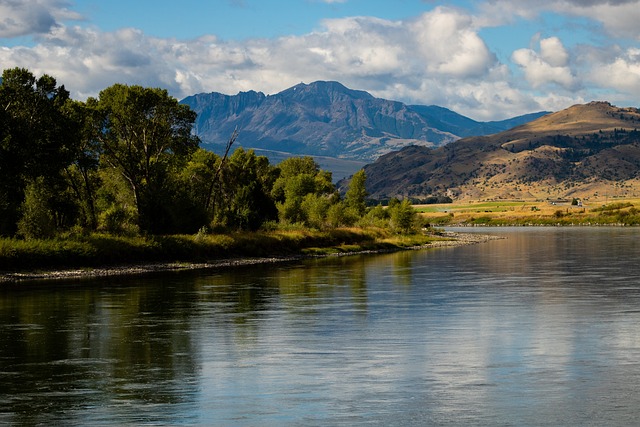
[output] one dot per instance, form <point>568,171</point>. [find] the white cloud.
<point>438,58</point>
<point>411,61</point>
<point>553,52</point>
<point>622,73</point>
<point>449,44</point>
<point>28,17</point>
<point>618,18</point>
<point>549,66</point>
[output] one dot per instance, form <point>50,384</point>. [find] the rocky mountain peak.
<point>325,118</point>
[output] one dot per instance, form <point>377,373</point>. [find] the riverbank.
<point>444,239</point>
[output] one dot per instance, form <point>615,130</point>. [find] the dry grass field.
<point>595,211</point>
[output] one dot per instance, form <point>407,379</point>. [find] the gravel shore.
<point>454,239</point>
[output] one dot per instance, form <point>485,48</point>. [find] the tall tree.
<point>82,172</point>
<point>144,134</point>
<point>245,201</point>
<point>37,137</point>
<point>356,196</point>
<point>299,177</point>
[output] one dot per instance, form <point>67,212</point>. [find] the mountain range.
<point>583,151</point>
<point>343,129</point>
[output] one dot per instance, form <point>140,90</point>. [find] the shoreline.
<point>455,239</point>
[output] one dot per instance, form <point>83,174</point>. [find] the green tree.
<point>115,205</point>
<point>37,220</point>
<point>403,216</point>
<point>37,137</point>
<point>145,134</point>
<point>82,173</point>
<point>316,208</point>
<point>244,201</point>
<point>299,177</point>
<point>356,196</point>
<point>197,180</point>
<point>295,189</point>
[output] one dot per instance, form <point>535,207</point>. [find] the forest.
<point>128,163</point>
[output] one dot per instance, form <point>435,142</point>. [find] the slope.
<point>582,151</point>
<point>327,119</point>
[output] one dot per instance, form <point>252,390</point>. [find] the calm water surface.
<point>540,328</point>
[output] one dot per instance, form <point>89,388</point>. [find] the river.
<point>539,328</point>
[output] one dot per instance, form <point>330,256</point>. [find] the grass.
<point>502,213</point>
<point>99,250</point>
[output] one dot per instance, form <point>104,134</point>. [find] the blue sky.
<point>488,60</point>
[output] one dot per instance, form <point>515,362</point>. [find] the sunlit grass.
<point>547,212</point>
<point>99,250</point>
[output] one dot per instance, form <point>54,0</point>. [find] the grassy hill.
<point>584,151</point>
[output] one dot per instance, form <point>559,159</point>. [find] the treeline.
<point>127,162</point>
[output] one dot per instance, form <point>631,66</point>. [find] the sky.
<point>488,60</point>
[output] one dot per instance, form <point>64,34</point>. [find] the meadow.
<point>593,212</point>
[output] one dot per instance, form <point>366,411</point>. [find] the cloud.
<point>553,52</point>
<point>449,44</point>
<point>548,66</point>
<point>622,73</point>
<point>438,57</point>
<point>29,17</point>
<point>435,58</point>
<point>618,18</point>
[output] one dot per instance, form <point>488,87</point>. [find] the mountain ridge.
<point>325,118</point>
<point>582,151</point>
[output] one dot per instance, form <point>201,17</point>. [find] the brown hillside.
<point>582,151</point>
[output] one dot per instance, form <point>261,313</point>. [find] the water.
<point>540,328</point>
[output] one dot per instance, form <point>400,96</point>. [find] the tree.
<point>37,219</point>
<point>402,216</point>
<point>197,181</point>
<point>244,199</point>
<point>82,173</point>
<point>356,195</point>
<point>145,134</point>
<point>38,138</point>
<point>299,177</point>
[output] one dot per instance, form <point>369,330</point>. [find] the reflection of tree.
<point>402,268</point>
<point>93,348</point>
<point>302,287</point>
<point>107,348</point>
<point>241,292</point>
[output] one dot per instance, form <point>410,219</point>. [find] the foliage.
<point>301,179</point>
<point>243,200</point>
<point>613,207</point>
<point>128,164</point>
<point>145,134</point>
<point>37,217</point>
<point>356,196</point>
<point>403,217</point>
<point>37,137</point>
<point>98,249</point>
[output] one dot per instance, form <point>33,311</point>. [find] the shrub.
<point>118,220</point>
<point>37,220</point>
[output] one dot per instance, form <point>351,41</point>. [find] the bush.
<point>118,220</point>
<point>37,220</point>
<point>403,217</point>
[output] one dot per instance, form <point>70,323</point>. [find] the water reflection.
<point>73,349</point>
<point>536,329</point>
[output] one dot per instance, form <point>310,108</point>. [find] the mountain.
<point>328,120</point>
<point>582,151</point>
